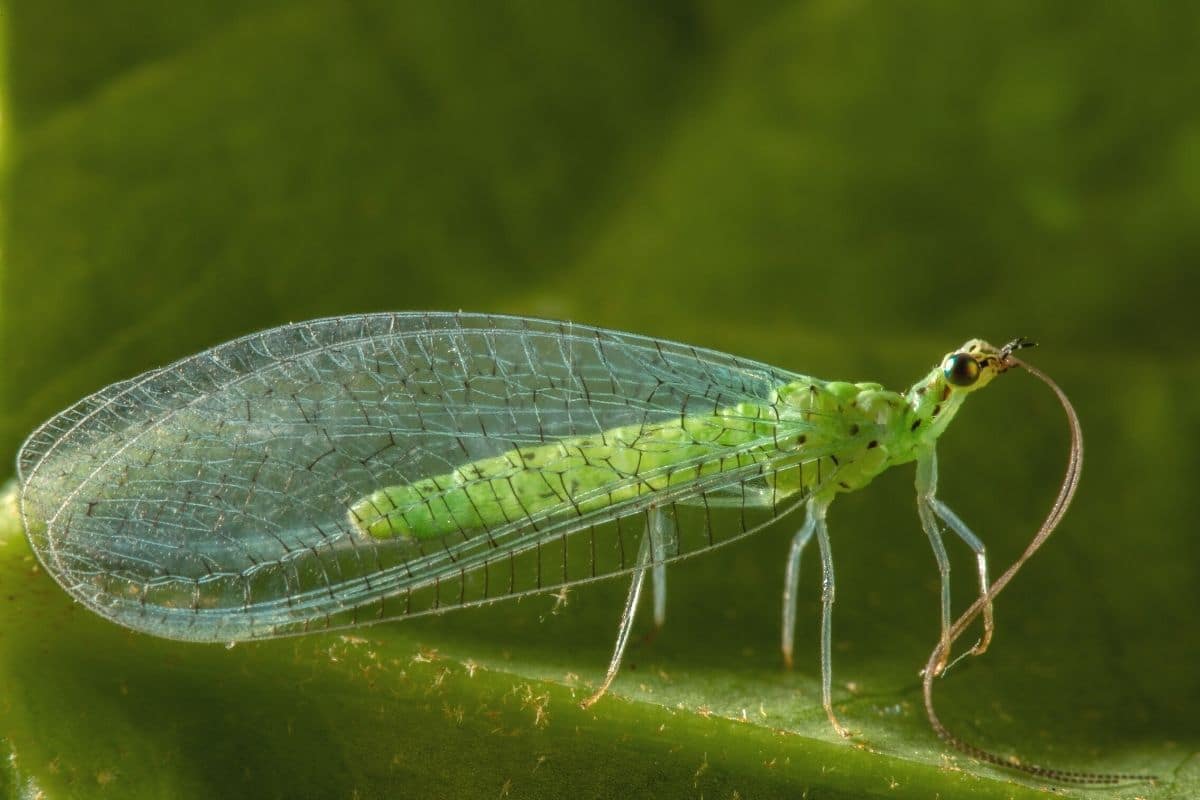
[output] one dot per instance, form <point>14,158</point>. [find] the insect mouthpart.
<point>1020,343</point>
<point>1002,360</point>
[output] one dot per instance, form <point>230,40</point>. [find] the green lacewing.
<point>344,471</point>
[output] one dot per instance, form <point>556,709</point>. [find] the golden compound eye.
<point>961,370</point>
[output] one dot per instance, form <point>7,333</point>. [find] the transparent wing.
<point>208,500</point>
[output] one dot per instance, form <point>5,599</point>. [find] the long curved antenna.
<point>1065,494</point>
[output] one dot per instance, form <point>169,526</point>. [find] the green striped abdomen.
<point>576,474</point>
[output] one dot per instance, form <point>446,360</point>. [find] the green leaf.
<point>848,190</point>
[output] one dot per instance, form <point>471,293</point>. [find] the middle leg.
<point>827,596</point>
<point>791,585</point>
<point>664,544</point>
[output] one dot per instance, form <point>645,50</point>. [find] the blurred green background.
<point>844,189</point>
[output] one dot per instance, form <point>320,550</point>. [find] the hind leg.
<point>626,624</point>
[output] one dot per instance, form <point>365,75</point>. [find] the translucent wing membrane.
<point>214,499</point>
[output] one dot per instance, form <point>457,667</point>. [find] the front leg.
<point>975,543</point>
<point>930,510</point>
